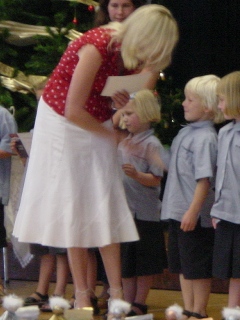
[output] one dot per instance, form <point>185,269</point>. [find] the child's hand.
<point>189,221</point>
<point>15,150</point>
<point>129,170</point>
<point>215,222</point>
<point>120,99</point>
<point>13,145</point>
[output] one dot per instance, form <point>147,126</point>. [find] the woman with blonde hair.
<point>73,196</point>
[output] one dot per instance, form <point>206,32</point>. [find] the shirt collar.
<point>140,136</point>
<point>201,124</point>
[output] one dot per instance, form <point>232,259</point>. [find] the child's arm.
<point>4,154</point>
<point>146,179</point>
<point>15,150</point>
<point>190,217</point>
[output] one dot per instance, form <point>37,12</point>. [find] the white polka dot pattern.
<point>56,90</point>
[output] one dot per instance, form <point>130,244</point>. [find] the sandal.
<point>142,307</point>
<point>198,315</point>
<point>31,301</point>
<point>46,306</point>
<point>94,302</point>
<point>187,313</point>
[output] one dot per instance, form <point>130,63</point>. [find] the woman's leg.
<point>78,261</point>
<point>92,271</point>
<point>112,263</point>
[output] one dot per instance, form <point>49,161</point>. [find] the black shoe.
<point>198,315</point>
<point>31,301</point>
<point>142,307</point>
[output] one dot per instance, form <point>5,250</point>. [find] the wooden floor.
<point>158,300</point>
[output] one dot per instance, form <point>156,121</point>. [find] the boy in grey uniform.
<point>226,209</point>
<point>189,195</point>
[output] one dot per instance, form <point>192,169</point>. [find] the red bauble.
<point>75,21</point>
<point>90,8</point>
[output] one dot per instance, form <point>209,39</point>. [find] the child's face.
<point>193,108</point>
<point>222,106</point>
<point>132,121</point>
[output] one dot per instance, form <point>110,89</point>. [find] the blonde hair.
<point>229,87</point>
<point>146,105</point>
<point>148,37</point>
<point>205,87</point>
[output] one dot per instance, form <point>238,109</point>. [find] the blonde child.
<point>189,195</point>
<point>226,209</point>
<point>143,259</point>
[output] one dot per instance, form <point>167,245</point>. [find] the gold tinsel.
<point>21,34</point>
<point>20,83</point>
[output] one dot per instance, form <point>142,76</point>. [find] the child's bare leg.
<point>234,293</point>
<point>144,284</point>
<point>187,293</point>
<point>129,289</point>
<point>111,260</point>
<point>201,292</point>
<point>62,274</point>
<point>47,266</point>
<point>78,261</point>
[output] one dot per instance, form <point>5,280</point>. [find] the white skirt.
<point>73,194</point>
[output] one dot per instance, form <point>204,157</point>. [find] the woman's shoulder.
<point>98,35</point>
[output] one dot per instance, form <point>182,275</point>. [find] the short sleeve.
<point>205,156</point>
<point>7,126</point>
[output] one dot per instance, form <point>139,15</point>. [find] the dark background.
<point>209,38</point>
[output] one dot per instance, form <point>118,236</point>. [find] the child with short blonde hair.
<point>143,259</point>
<point>226,209</point>
<point>189,195</point>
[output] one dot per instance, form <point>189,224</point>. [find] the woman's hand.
<point>120,99</point>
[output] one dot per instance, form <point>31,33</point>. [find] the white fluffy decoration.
<point>12,302</point>
<point>118,306</point>
<point>30,312</point>
<point>174,311</point>
<point>59,302</point>
<point>231,313</point>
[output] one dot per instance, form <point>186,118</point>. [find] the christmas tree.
<point>33,36</point>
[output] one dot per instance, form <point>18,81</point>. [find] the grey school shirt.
<point>227,198</point>
<point>193,156</point>
<point>7,126</point>
<point>139,150</point>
